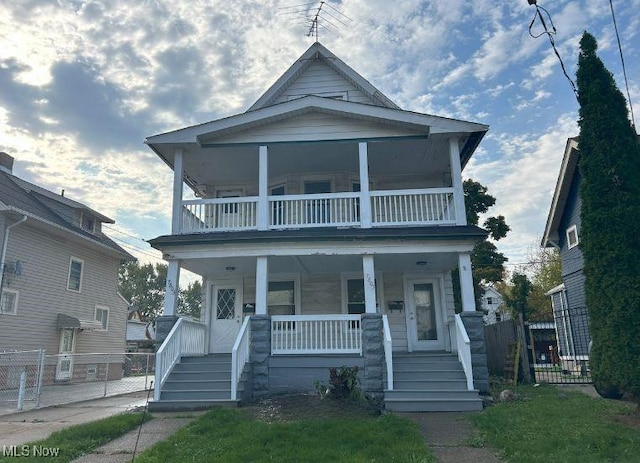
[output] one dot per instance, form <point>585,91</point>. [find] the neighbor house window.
<point>572,237</point>
<point>490,300</point>
<point>9,302</point>
<point>498,317</point>
<point>88,222</point>
<point>74,281</point>
<point>281,298</point>
<point>102,316</point>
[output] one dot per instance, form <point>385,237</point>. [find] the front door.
<point>424,315</point>
<point>64,369</point>
<point>226,311</point>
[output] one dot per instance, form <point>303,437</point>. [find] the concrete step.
<point>172,384</point>
<point>196,394</point>
<point>199,367</point>
<point>184,405</point>
<point>450,364</point>
<point>433,405</point>
<point>217,358</point>
<point>429,384</point>
<point>201,375</point>
<point>419,394</point>
<point>422,375</point>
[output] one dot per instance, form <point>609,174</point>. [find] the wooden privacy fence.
<point>500,338</point>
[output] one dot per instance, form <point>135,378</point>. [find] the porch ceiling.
<point>239,164</point>
<point>316,265</point>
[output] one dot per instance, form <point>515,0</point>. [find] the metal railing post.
<point>106,375</point>
<point>40,378</point>
<point>146,372</point>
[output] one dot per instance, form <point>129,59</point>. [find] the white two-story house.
<point>326,224</point>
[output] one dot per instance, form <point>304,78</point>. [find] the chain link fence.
<point>34,379</point>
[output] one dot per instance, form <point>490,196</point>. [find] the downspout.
<point>4,250</point>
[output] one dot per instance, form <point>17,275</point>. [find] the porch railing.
<point>464,350</point>
<point>326,210</point>
<point>388,354</point>
<point>316,334</point>
<point>187,337</point>
<point>202,215</point>
<point>240,356</point>
<point>433,206</point>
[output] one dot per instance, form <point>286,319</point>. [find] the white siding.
<point>394,291</point>
<point>314,126</point>
<point>320,79</point>
<point>44,294</point>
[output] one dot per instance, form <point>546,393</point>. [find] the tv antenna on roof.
<point>323,16</point>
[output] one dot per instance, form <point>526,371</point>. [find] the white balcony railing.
<point>318,210</point>
<point>432,206</point>
<point>406,207</point>
<point>187,337</point>
<point>224,214</point>
<point>316,334</point>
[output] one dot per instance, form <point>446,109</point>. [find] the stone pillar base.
<point>474,324</point>
<point>260,353</point>
<point>164,323</point>
<point>373,352</point>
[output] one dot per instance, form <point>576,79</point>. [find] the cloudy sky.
<point>83,83</point>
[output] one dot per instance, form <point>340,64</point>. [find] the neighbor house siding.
<point>572,260</point>
<point>44,294</point>
<point>320,79</point>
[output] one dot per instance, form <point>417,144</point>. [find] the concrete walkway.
<point>450,436</point>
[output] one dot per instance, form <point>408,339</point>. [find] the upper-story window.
<point>74,279</point>
<point>88,222</point>
<point>102,316</point>
<point>281,298</point>
<point>572,237</point>
<point>9,302</point>
<point>490,300</point>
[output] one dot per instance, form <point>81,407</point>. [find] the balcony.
<point>432,206</point>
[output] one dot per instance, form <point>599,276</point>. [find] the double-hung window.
<point>74,280</point>
<point>9,302</point>
<point>281,298</point>
<point>102,316</point>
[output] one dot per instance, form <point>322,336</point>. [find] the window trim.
<point>81,261</point>
<point>572,229</point>
<point>95,316</point>
<point>345,276</point>
<point>15,301</point>
<point>295,277</point>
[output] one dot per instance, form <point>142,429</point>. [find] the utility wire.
<point>624,68</point>
<point>550,33</point>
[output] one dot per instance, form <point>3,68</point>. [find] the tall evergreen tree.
<point>610,193</point>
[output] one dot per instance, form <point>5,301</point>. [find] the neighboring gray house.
<point>334,219</point>
<point>59,281</point>
<point>563,232</point>
<point>492,306</point>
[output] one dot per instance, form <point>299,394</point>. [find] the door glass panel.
<point>67,341</point>
<point>425,312</point>
<point>226,304</point>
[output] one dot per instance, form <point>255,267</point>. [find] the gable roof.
<point>561,193</point>
<point>317,53</point>
<point>22,197</point>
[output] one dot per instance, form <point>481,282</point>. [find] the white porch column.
<point>262,285</point>
<point>173,283</point>
<point>368,272</point>
<point>365,198</point>
<point>466,282</point>
<point>263,189</point>
<point>178,176</point>
<point>456,181</point>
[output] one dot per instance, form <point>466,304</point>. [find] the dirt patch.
<point>632,420</point>
<point>296,407</point>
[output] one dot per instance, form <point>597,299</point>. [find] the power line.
<point>550,33</point>
<point>624,68</point>
<point>133,247</point>
<point>123,232</point>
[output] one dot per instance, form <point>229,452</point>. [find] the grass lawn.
<point>550,424</point>
<point>78,440</point>
<point>273,434</point>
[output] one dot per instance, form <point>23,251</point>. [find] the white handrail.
<point>464,351</point>
<point>316,334</point>
<point>187,337</point>
<point>240,356</point>
<point>388,355</point>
